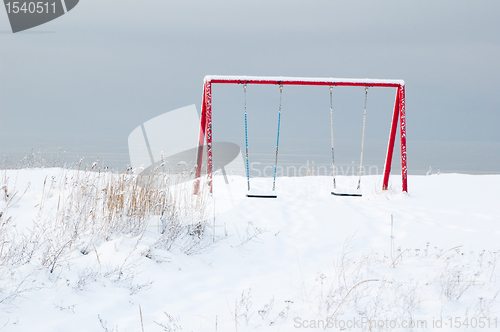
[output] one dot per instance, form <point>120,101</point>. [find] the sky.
<point>83,82</point>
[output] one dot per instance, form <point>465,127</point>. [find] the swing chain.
<point>277,139</point>
<point>362,139</point>
<point>281,92</point>
<point>366,95</point>
<point>246,136</point>
<point>331,124</point>
<point>245,92</point>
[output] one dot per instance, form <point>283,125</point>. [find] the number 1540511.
<point>31,7</point>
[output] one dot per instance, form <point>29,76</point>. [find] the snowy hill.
<point>79,252</point>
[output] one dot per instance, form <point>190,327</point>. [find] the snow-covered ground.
<point>306,259</point>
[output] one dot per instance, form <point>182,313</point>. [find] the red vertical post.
<point>201,140</point>
<point>208,116</point>
<point>392,138</point>
<point>402,130</point>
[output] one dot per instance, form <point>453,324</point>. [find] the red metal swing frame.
<point>399,114</point>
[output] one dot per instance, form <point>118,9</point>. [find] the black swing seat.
<point>261,196</point>
<point>345,194</point>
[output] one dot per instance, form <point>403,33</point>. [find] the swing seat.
<point>346,194</point>
<point>261,196</point>
<point>345,191</point>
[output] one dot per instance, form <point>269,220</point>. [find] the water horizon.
<point>112,151</point>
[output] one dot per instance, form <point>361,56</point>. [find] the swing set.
<point>399,115</point>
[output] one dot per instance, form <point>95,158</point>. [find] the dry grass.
<point>80,209</point>
<point>100,203</point>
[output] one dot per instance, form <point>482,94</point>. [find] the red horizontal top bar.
<point>303,81</point>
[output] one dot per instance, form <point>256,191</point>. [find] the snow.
<point>271,265</point>
<point>283,79</point>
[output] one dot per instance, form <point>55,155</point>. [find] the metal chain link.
<point>246,136</point>
<point>362,139</point>
<point>331,123</point>
<point>278,138</point>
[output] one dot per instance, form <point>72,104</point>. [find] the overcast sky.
<point>92,76</point>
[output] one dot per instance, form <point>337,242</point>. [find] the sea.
<point>296,157</point>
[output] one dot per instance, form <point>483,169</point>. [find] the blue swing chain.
<point>246,136</point>
<point>277,138</point>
